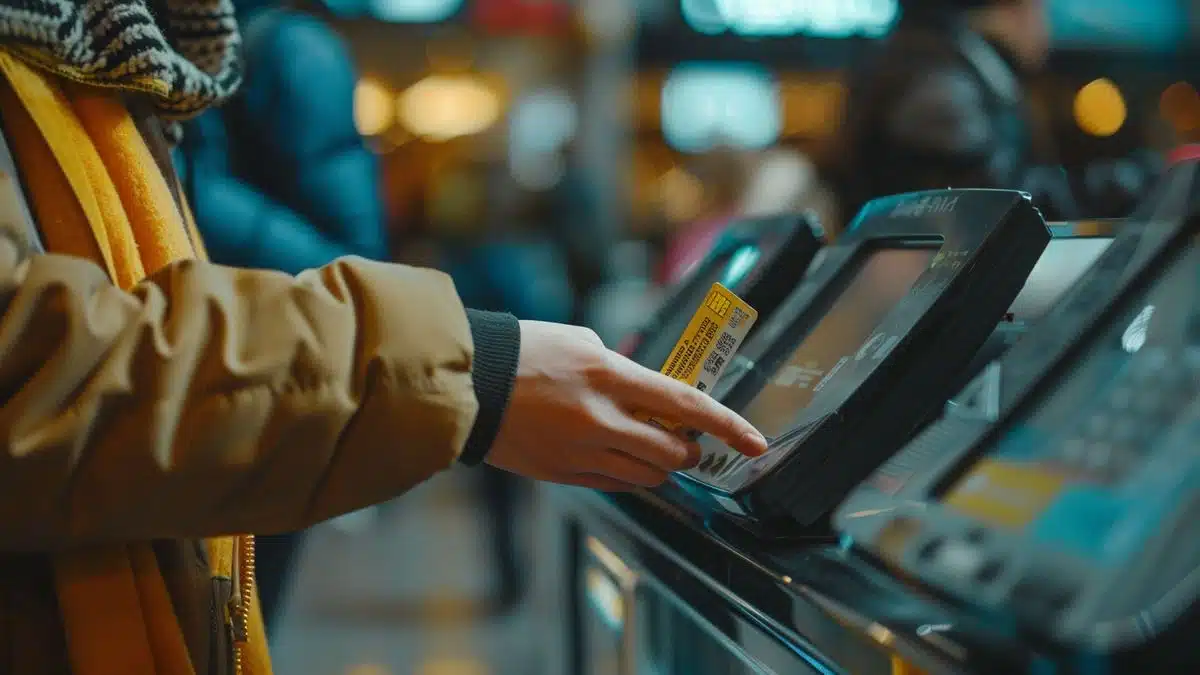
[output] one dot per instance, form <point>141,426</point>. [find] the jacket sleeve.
<point>213,400</point>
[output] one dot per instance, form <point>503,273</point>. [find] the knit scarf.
<point>184,53</point>
<point>96,192</point>
<point>77,141</point>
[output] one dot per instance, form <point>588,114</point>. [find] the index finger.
<point>647,391</point>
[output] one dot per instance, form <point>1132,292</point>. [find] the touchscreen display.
<point>883,278</point>
<point>1062,263</point>
<point>1071,470</point>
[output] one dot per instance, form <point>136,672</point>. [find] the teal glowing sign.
<point>816,18</point>
<point>414,11</point>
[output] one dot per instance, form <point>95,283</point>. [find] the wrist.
<point>497,339</point>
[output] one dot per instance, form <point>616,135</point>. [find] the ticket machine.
<point>1072,503</point>
<point>867,348</point>
<point>761,260</point>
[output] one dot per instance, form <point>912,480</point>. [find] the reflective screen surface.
<point>1062,263</point>
<point>1089,467</point>
<point>883,279</point>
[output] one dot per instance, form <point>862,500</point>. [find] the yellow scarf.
<point>97,193</point>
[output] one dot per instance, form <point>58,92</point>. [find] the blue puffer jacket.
<point>280,178</point>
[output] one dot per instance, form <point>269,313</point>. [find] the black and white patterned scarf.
<point>184,53</point>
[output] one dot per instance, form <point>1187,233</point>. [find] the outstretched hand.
<point>571,416</point>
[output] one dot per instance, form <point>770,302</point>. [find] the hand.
<point>571,416</point>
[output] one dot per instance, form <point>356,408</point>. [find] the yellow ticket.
<point>708,344</point>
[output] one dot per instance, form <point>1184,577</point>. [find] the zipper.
<point>243,593</point>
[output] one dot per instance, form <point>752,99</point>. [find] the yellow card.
<point>708,344</point>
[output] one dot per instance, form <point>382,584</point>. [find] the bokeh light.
<point>374,107</point>
<point>1180,105</point>
<point>443,107</point>
<point>1100,108</point>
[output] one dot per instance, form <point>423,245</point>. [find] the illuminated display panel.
<point>1149,25</point>
<point>882,280</point>
<point>414,11</point>
<point>1083,469</point>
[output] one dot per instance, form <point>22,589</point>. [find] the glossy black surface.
<point>759,259</point>
<point>894,359</point>
<point>831,610</point>
<point>1133,309</point>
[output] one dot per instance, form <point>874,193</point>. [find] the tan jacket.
<point>213,401</point>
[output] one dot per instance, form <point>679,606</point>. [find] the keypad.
<point>1143,400</point>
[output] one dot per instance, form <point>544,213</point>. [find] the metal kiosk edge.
<point>776,252</point>
<point>885,387</point>
<point>919,515</point>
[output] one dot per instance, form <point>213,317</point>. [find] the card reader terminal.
<point>1073,247</point>
<point>1073,505</point>
<point>867,348</point>
<point>761,260</point>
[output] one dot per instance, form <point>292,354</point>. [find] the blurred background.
<point>562,158</point>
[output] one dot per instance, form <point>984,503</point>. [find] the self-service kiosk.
<point>761,260</point>
<point>1042,522</point>
<point>1071,501</point>
<point>868,347</point>
<point>1072,250</point>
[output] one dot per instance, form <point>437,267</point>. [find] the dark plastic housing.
<point>1073,248</point>
<point>1086,460</point>
<point>782,248</point>
<point>896,379</point>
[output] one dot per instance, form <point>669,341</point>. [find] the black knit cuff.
<point>497,340</point>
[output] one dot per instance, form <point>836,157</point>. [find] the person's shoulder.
<point>907,56</point>
<point>292,41</point>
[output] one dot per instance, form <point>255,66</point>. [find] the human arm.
<point>213,400</point>
<point>246,228</point>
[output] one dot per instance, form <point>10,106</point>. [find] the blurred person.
<point>279,178</point>
<point>512,265</point>
<point>507,260</point>
<point>785,181</point>
<point>159,404</point>
<point>722,175</point>
<point>941,103</point>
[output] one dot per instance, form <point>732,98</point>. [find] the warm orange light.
<point>374,111</point>
<point>442,107</point>
<point>1100,108</point>
<point>682,195</point>
<point>1180,105</point>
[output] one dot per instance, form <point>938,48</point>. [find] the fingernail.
<point>755,440</point>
